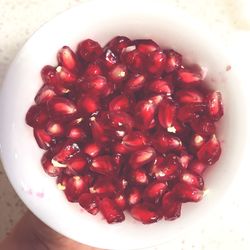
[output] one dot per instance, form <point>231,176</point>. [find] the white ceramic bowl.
<point>101,21</point>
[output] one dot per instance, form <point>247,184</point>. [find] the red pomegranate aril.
<point>103,165</point>
<point>197,167</point>
<point>75,186</point>
<point>60,108</point>
<point>90,202</point>
<point>67,58</point>
<point>61,181</point>
<point>161,86</point>
<point>203,126</point>
<point>155,190</point>
<point>155,62</point>
<point>89,50</point>
<point>173,61</point>
<point>210,151</point>
<point>166,114</point>
<point>48,167</point>
<point>65,75</point>
<point>214,104</point>
<point>77,164</point>
<point>45,93</point>
<point>54,129</point>
<point>118,73</point>
<point>171,208</point>
<point>111,212</point>
<point>119,103</point>
<point>76,133</point>
<point>43,139</point>
<point>197,141</point>
<point>142,157</point>
<point>36,116</point>
<point>139,176</point>
<point>192,179</point>
<point>93,69</point>
<point>118,43</point>
<point>185,159</point>
<point>67,151</point>
<point>49,75</point>
<point>103,187</point>
<point>187,193</point>
<point>188,77</point>
<point>134,60</point>
<point>189,96</point>
<point>134,196</point>
<point>146,45</point>
<point>88,104</point>
<point>144,213</point>
<point>120,201</point>
<point>109,59</point>
<point>135,83</point>
<point>92,149</point>
<point>135,140</point>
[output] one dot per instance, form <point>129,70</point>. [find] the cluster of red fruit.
<point>126,127</point>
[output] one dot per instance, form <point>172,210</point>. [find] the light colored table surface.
<point>229,225</point>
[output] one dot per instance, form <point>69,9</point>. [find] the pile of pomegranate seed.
<point>126,127</point>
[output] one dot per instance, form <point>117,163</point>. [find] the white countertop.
<point>228,226</point>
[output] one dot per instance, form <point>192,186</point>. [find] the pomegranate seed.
<point>98,130</point>
<point>110,58</point>
<point>45,93</point>
<point>103,187</point>
<point>142,157</point>
<point>134,140</point>
<point>189,96</point>
<point>75,186</point>
<point>185,159</point>
<point>93,69</point>
<point>118,73</point>
<point>155,62</point>
<point>37,116</point>
<point>61,108</point>
<point>173,61</point>
<point>139,176</point>
<point>197,167</point>
<point>215,108</point>
<point>210,151</point>
<point>144,213</point>
<point>203,126</point>
<point>111,211</point>
<point>103,165</point>
<point>169,169</point>
<point>135,83</point>
<point>43,139</point>
<point>188,77</point>
<point>119,103</point>
<point>192,179</point>
<point>119,43</point>
<point>89,202</point>
<point>76,134</point>
<point>187,193</point>
<point>54,129</point>
<point>65,75</point>
<point>67,151</point>
<point>49,76</point>
<point>146,45</point>
<point>161,86</point>
<point>118,160</point>
<point>134,196</point>
<point>67,58</point>
<point>92,149</point>
<point>88,104</point>
<point>120,201</point>
<point>119,148</point>
<point>77,164</point>
<point>134,60</point>
<point>166,114</point>
<point>48,167</point>
<point>171,208</point>
<point>197,141</point>
<point>62,181</point>
<point>155,190</point>
<point>89,50</point>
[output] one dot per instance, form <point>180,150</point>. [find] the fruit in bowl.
<point>126,127</point>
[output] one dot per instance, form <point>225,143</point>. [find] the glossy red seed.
<point>67,58</point>
<point>98,130</point>
<point>144,213</point>
<point>118,43</point>
<point>197,167</point>
<point>119,103</point>
<point>75,186</point>
<point>92,149</point>
<point>197,141</point>
<point>188,77</point>
<point>89,50</point>
<point>89,202</point>
<point>135,82</point>
<point>88,104</point>
<point>146,45</point>
<point>109,59</point>
<point>103,187</point>
<point>134,140</point>
<point>185,159</point>
<point>76,133</point>
<point>189,96</point>
<point>142,157</point>
<point>161,86</point>
<point>93,69</point>
<point>111,212</point>
<point>187,193</point>
<point>139,176</point>
<point>134,196</point>
<point>192,179</point>
<point>155,190</point>
<point>118,73</point>
<point>120,201</point>
<point>61,181</point>
<point>214,103</point>
<point>210,151</point>
<point>103,165</point>
<point>156,62</point>
<point>49,76</point>
<point>134,60</point>
<point>65,75</point>
<point>45,93</point>
<point>203,126</point>
<point>48,167</point>
<point>36,116</point>
<point>43,139</point>
<point>166,114</point>
<point>171,208</point>
<point>173,61</point>
<point>77,164</point>
<point>55,129</point>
